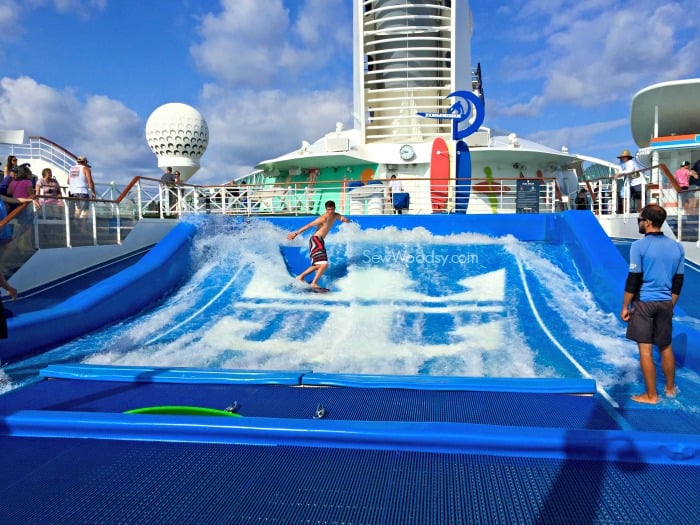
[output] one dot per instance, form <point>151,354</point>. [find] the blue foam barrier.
<point>115,298</point>
<point>480,384</point>
<point>138,374</point>
<point>555,443</point>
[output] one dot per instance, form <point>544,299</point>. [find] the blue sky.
<point>267,74</point>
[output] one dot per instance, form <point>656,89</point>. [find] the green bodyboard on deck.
<point>182,410</point>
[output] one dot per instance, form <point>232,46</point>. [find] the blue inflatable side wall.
<point>561,444</point>
<point>601,264</point>
<point>109,301</point>
<point>605,270</point>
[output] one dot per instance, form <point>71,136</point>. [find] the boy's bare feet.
<point>645,398</point>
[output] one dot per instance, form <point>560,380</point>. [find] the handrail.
<point>53,144</point>
<point>144,197</point>
<point>671,178</point>
<point>592,193</point>
<point>14,213</point>
<point>297,187</point>
<point>259,192</point>
<point>127,189</point>
<point>661,187</point>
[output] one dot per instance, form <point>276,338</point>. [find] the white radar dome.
<point>178,135</point>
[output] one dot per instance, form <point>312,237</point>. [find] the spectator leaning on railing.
<point>47,186</point>
<point>21,186</point>
<point>633,184</point>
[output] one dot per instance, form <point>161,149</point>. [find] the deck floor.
<point>67,459</point>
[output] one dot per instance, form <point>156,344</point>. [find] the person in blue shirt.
<point>652,289</point>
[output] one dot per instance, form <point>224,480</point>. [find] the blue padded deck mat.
<point>341,403</point>
<point>79,481</point>
<point>663,419</point>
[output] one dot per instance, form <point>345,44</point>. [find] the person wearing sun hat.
<point>81,186</point>
<point>633,184</point>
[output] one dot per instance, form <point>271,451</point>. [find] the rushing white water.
<point>402,302</point>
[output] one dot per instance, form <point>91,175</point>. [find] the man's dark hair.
<point>654,213</point>
<point>329,203</point>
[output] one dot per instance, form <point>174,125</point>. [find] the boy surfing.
<point>317,246</point>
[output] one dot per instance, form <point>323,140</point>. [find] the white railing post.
<point>93,222</point>
<point>119,224</point>
<point>139,199</point>
<point>66,215</point>
<point>161,200</point>
<point>35,224</point>
<point>679,214</point>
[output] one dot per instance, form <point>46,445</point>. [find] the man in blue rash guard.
<point>653,285</point>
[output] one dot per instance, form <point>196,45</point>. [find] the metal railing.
<point>52,223</point>
<point>115,212</point>
<point>38,147</point>
<point>609,196</point>
<point>352,197</point>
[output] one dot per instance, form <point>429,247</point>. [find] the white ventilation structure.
<point>415,54</point>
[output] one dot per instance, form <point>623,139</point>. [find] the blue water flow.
<point>403,301</point>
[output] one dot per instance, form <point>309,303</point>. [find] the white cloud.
<point>271,83</point>
<point>113,134</point>
<point>530,108</point>
<point>82,8</point>
<point>241,45</point>
<point>245,45</point>
<point>9,17</point>
<point>597,52</point>
<point>579,138</point>
<point>40,109</point>
<point>601,60</point>
<point>326,23</point>
<point>252,126</point>
<point>105,130</point>
<point>253,110</point>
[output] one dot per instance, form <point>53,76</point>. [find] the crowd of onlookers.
<point>629,182</point>
<point>19,184</point>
